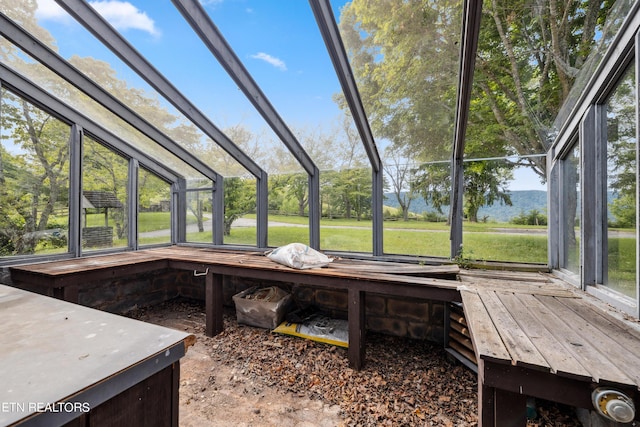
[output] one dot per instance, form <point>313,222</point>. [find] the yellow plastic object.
<point>318,328</point>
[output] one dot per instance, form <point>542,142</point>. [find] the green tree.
<point>529,54</point>
<point>401,178</point>
<point>621,150</point>
<point>404,55</point>
<point>239,200</point>
<point>34,183</point>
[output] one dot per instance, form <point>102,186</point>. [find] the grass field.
<point>482,241</point>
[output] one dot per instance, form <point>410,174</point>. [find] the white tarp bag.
<point>298,255</point>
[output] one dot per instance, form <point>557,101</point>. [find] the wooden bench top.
<point>87,264</point>
<point>339,273</point>
<point>547,327</point>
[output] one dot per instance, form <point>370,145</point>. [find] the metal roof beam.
<point>472,13</point>
<point>25,41</point>
<point>204,27</point>
<point>103,31</point>
<point>33,93</point>
<point>331,35</point>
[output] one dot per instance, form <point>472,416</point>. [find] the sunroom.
<point>466,156</point>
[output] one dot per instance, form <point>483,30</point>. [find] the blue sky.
<point>277,41</point>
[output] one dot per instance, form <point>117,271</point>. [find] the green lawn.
<point>482,241</point>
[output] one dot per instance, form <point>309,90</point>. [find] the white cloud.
<point>49,9</point>
<point>278,63</point>
<point>124,16</point>
<point>121,14</point>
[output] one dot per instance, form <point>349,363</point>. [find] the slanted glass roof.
<point>255,88</point>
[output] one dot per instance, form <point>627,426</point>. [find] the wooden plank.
<point>523,352</point>
<point>485,337</point>
<point>589,357</point>
<point>463,351</point>
<point>82,265</point>
<point>461,339</point>
<point>434,271</point>
<point>561,362</point>
<point>262,263</point>
<point>493,275</point>
<point>458,318</point>
<point>462,330</point>
<point>607,342</point>
<point>538,288</point>
<point>626,332</point>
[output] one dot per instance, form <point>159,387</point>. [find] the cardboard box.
<point>262,307</point>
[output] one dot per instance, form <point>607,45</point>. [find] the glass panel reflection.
<point>240,201</point>
<point>346,210</point>
<point>570,211</point>
<point>154,209</point>
<point>621,186</point>
<point>416,206</point>
<point>34,179</point>
<point>105,175</point>
<point>199,212</point>
<point>505,208</point>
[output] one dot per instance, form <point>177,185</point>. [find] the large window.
<point>570,212</point>
<point>34,179</point>
<point>154,209</point>
<point>105,176</point>
<point>621,187</point>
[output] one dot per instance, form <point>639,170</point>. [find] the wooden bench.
<point>548,341</point>
<point>531,335</point>
<point>63,278</point>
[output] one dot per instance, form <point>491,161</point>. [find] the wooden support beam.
<point>356,328</point>
<point>213,304</point>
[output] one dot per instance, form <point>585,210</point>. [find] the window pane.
<point>240,201</point>
<point>621,186</point>
<point>570,211</point>
<point>346,210</point>
<point>505,211</point>
<point>416,207</point>
<point>289,208</point>
<point>154,209</point>
<point>105,176</point>
<point>199,205</point>
<point>34,180</point>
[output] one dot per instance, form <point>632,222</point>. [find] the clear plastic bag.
<point>299,256</point>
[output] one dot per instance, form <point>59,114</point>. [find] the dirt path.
<point>249,376</point>
<point>217,394</point>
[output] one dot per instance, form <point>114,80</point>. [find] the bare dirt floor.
<point>249,376</point>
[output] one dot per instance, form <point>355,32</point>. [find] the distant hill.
<point>522,202</point>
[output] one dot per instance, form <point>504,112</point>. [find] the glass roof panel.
<point>58,87</point>
<point>96,61</point>
<point>405,57</point>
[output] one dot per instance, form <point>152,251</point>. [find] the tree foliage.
<point>33,181</point>
<point>405,57</point>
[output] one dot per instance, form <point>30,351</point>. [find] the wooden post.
<point>213,304</point>
<point>356,328</point>
<point>510,408</point>
<point>497,407</point>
